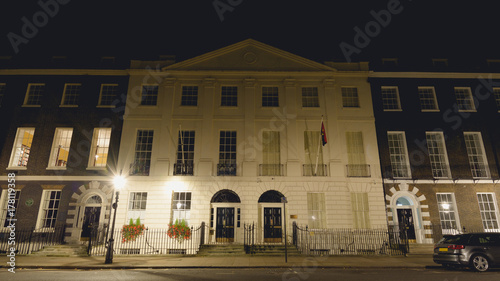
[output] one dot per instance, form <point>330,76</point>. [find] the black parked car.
<point>480,251</point>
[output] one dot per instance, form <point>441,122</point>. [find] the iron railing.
<point>358,170</point>
<point>183,169</point>
<point>439,231</point>
<point>249,238</point>
<point>349,241</point>
<point>309,169</point>
<point>150,242</point>
<point>271,170</point>
<point>31,240</point>
<point>226,169</point>
<point>139,169</point>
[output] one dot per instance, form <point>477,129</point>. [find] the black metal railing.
<point>226,169</point>
<point>358,170</point>
<point>139,169</point>
<point>249,237</point>
<point>349,241</point>
<point>183,169</point>
<point>271,170</point>
<point>310,170</point>
<point>150,242</point>
<point>31,240</point>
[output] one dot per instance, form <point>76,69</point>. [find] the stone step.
<point>221,250</point>
<point>67,250</point>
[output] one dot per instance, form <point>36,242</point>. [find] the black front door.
<point>90,219</point>
<point>225,225</point>
<point>405,218</point>
<point>272,225</point>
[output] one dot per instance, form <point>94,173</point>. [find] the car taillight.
<point>456,247</point>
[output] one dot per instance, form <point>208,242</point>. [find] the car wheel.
<point>479,263</point>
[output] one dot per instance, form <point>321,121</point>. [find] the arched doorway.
<point>405,214</point>
<point>272,218</point>
<point>225,205</point>
<point>91,213</point>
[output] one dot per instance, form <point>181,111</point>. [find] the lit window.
<point>447,214</point>
<point>143,150</point>
<point>71,94</point>
<point>464,99</point>
<point>360,210</point>
<point>189,96</point>
<point>34,94</point>
<point>137,206</point>
<point>390,98</point>
<point>185,153</point>
<point>316,211</point>
<point>149,95</point>
<point>350,97</point>
<point>9,210</point>
<point>270,97</point>
<point>22,147</point>
<point>229,96</point>
<point>310,97</point>
<point>108,94</point>
<point>227,154</point>
<point>100,146</point>
<point>60,147</point>
<point>181,206</point>
<point>428,100</point>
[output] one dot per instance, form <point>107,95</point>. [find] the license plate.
<point>443,249</point>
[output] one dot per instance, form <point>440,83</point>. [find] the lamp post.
<point>119,182</point>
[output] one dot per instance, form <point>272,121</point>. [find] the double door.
<point>224,231</point>
<point>272,225</point>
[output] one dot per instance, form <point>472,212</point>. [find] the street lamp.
<point>119,182</point>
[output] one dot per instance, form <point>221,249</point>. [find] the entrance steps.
<point>65,250</point>
<point>222,250</point>
<point>421,249</point>
<point>275,250</point>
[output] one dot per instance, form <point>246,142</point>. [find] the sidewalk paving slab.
<point>246,261</point>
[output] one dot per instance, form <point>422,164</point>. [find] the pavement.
<point>244,261</point>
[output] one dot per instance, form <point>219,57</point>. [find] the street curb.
<point>219,267</point>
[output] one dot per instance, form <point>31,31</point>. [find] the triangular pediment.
<point>249,55</point>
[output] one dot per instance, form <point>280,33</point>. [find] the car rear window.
<point>452,239</point>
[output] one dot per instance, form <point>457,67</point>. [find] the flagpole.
<point>182,150</point>
<point>319,146</point>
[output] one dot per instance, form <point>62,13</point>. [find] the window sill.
<point>31,105</point>
<point>97,169</point>
<point>68,105</point>
<point>44,230</point>
<point>467,110</point>
<point>56,168</point>
<point>351,108</point>
<point>394,110</point>
<point>16,168</point>
<point>311,108</point>
<point>430,110</point>
<point>147,106</point>
<point>106,106</point>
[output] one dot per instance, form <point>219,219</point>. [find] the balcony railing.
<point>271,170</point>
<point>309,169</point>
<point>226,169</point>
<point>358,171</point>
<point>139,169</point>
<point>183,169</point>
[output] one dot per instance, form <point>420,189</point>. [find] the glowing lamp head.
<point>119,182</point>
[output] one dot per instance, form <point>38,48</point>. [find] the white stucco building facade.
<point>221,137</point>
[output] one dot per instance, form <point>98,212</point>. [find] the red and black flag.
<point>323,134</point>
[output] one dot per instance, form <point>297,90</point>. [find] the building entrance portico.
<point>225,216</point>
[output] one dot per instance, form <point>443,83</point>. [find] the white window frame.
<point>311,98</point>
<point>185,211</point>
<point>137,207</point>
<point>434,99</point>
<point>235,96</point>
<point>448,207</point>
<point>404,149</point>
<point>444,152</point>
<point>469,98</point>
<point>157,94</point>
<point>66,92</point>
<point>481,155</point>
<point>18,146</point>
<point>495,212</point>
<point>26,97</point>
<point>313,221</point>
<point>361,216</point>
<point>56,144</point>
<point>262,96</point>
<point>397,98</point>
<point>41,211</point>
<point>344,92</point>
<point>4,197</point>
<point>197,95</point>
<point>94,148</point>
<point>99,103</point>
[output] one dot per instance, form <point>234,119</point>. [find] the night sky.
<point>312,29</point>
